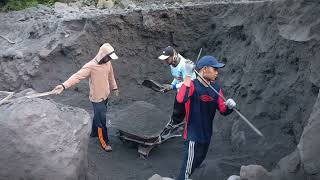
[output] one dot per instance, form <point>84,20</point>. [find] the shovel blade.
<point>154,85</point>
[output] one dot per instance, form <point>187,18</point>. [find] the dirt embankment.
<point>271,52</point>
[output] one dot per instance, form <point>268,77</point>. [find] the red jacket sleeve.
<point>185,92</point>
<point>224,110</point>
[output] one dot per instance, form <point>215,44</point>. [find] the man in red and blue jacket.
<point>201,103</point>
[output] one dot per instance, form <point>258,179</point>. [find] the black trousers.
<point>194,154</point>
<point>99,127</point>
<point>179,112</point>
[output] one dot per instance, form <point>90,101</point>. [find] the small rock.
<point>105,4</point>
<point>19,55</point>
<point>254,172</point>
<point>12,54</point>
<point>155,177</point>
<point>127,4</point>
<point>44,53</point>
<point>63,8</point>
<point>158,177</point>
<point>234,177</point>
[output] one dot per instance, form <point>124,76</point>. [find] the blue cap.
<point>209,61</point>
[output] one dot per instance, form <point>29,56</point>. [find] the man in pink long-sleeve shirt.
<point>101,80</point>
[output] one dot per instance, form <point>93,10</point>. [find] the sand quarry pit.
<point>271,50</point>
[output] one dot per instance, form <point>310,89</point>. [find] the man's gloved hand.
<point>166,88</point>
<point>189,66</point>
<point>230,103</point>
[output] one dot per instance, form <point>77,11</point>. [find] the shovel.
<point>10,94</point>
<point>154,85</point>
<point>36,95</point>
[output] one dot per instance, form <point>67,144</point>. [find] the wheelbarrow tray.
<point>141,120</point>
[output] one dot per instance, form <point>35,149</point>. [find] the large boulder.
<point>41,139</point>
<point>303,163</point>
<point>289,168</point>
<point>309,145</point>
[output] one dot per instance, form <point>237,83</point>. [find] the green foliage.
<point>14,5</point>
<point>47,2</point>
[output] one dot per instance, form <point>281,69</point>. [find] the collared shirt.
<point>101,79</point>
<point>179,73</point>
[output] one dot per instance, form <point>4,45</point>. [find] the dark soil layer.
<point>271,51</point>
<point>141,119</point>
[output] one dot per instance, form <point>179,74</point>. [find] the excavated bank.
<point>270,50</point>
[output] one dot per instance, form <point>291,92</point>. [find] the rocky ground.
<point>270,48</point>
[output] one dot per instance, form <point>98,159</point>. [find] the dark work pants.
<point>99,127</point>
<point>179,112</point>
<point>194,154</point>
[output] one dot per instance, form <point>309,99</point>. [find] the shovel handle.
<point>248,122</point>
<point>10,94</point>
<point>40,94</point>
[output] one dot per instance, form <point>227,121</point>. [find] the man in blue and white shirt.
<point>177,65</point>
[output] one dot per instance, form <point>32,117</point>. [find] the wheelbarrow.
<point>145,126</point>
